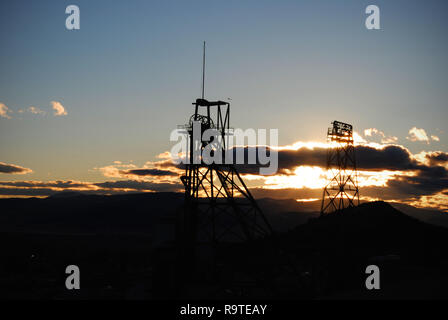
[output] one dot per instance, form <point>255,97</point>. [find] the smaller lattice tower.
<point>341,190</point>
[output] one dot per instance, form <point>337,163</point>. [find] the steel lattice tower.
<point>341,190</point>
<point>218,205</point>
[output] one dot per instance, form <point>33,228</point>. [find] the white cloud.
<point>384,139</point>
<point>35,110</point>
<point>390,139</point>
<point>58,108</point>
<point>416,134</point>
<point>4,110</point>
<point>372,131</point>
<point>435,138</point>
<point>358,139</point>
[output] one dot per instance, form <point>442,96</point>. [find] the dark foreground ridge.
<point>123,246</point>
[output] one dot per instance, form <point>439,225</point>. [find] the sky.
<point>80,107</point>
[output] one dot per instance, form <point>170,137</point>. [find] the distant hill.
<point>332,252</point>
<point>431,216</point>
<point>117,240</point>
<point>75,212</point>
<point>374,225</point>
<point>130,213</point>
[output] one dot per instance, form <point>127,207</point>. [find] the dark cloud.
<point>437,157</point>
<point>404,189</point>
<point>426,182</point>
<point>39,188</point>
<point>40,184</point>
<point>425,179</point>
<point>139,185</point>
<point>390,157</point>
<point>13,169</point>
<point>415,180</point>
<point>148,172</point>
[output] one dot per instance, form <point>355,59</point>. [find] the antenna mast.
<point>203,71</point>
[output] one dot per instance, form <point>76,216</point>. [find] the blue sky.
<point>129,75</point>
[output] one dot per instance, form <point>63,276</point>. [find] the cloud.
<point>47,188</point>
<point>369,158</point>
<point>439,201</point>
<point>435,138</point>
<point>390,139</point>
<point>148,172</point>
<point>13,169</point>
<point>114,171</point>
<point>162,169</point>
<point>427,181</point>
<point>390,157</point>
<point>371,132</point>
<point>416,134</point>
<point>58,108</point>
<point>436,157</point>
<point>4,110</point>
<point>60,184</point>
<point>386,157</point>
<point>35,110</point>
<point>140,186</point>
<point>358,139</point>
<point>427,188</point>
<point>389,172</point>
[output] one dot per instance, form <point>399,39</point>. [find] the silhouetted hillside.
<point>374,228</point>
<point>123,245</point>
<point>327,256</point>
<point>338,247</point>
<point>67,213</point>
<point>146,213</point>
